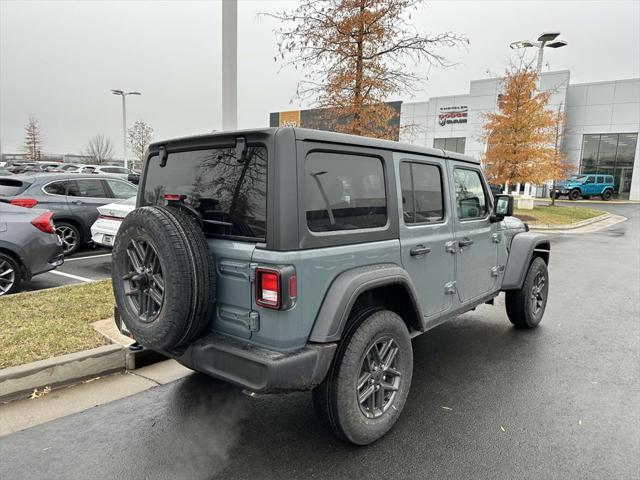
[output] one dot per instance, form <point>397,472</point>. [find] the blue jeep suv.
<point>586,186</point>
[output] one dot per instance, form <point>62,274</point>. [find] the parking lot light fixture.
<point>546,39</point>
<point>124,94</point>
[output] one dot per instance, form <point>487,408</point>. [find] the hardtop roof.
<point>306,134</point>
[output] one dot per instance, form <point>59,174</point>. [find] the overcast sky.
<point>58,60</point>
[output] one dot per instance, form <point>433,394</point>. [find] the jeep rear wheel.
<point>525,307</point>
<point>574,194</point>
<point>606,195</point>
<point>367,386</point>
<point>163,278</point>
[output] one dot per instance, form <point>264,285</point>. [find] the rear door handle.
<point>419,250</point>
<point>77,202</point>
<point>465,242</point>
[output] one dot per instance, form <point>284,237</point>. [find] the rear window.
<point>10,187</point>
<point>344,192</point>
<point>114,170</point>
<point>230,194</point>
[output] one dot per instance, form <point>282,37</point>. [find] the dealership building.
<point>601,130</point>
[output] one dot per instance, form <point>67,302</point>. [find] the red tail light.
<point>24,202</point>
<point>174,197</point>
<point>268,288</point>
<point>44,223</point>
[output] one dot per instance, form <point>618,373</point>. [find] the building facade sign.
<point>451,115</point>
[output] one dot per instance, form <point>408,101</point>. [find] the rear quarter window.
<point>344,192</point>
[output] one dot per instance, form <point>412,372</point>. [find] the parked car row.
<point>72,198</point>
<point>38,167</point>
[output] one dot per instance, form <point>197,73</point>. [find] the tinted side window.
<point>421,192</point>
<point>122,189</point>
<point>589,180</point>
<point>56,188</point>
<point>90,188</point>
<point>600,180</point>
<point>344,192</point>
<point>471,200</point>
<point>406,185</point>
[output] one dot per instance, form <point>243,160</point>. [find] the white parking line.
<point>86,256</point>
<point>74,277</point>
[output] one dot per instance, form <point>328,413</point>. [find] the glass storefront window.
<point>626,149</point>
<point>612,154</point>
<point>590,144</point>
<point>607,151</point>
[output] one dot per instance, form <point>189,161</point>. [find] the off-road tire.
<point>574,194</point>
<point>606,195</point>
<point>520,303</point>
<point>187,271</point>
<point>336,398</point>
<point>17,273</point>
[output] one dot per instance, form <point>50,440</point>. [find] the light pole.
<point>547,39</point>
<point>229,64</point>
<point>124,121</point>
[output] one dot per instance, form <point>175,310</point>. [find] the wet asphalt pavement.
<point>487,401</point>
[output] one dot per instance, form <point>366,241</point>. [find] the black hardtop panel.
<point>227,138</point>
<point>304,134</point>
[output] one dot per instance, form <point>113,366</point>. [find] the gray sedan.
<point>73,198</point>
<point>28,245</point>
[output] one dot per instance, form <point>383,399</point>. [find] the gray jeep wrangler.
<point>291,259</point>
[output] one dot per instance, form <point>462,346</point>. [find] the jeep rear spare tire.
<point>163,277</point>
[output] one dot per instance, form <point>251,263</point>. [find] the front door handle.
<point>465,242</point>
<point>419,250</point>
<point>77,202</point>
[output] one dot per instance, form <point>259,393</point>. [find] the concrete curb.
<point>19,381</point>
<point>572,226</point>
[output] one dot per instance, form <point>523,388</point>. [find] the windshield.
<point>231,195</point>
<point>10,187</point>
<point>577,178</point>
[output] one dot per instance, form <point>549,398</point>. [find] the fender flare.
<point>524,247</point>
<point>346,288</point>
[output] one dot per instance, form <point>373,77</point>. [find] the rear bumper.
<point>258,369</point>
<point>254,368</point>
<point>46,256</point>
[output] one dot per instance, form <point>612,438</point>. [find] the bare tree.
<point>140,136</point>
<point>33,139</point>
<point>99,149</point>
<point>355,55</point>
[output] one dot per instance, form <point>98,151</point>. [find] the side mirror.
<point>503,207</point>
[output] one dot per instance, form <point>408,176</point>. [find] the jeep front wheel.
<point>574,194</point>
<point>367,386</point>
<point>525,307</point>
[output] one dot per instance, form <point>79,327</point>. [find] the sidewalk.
<point>21,414</point>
